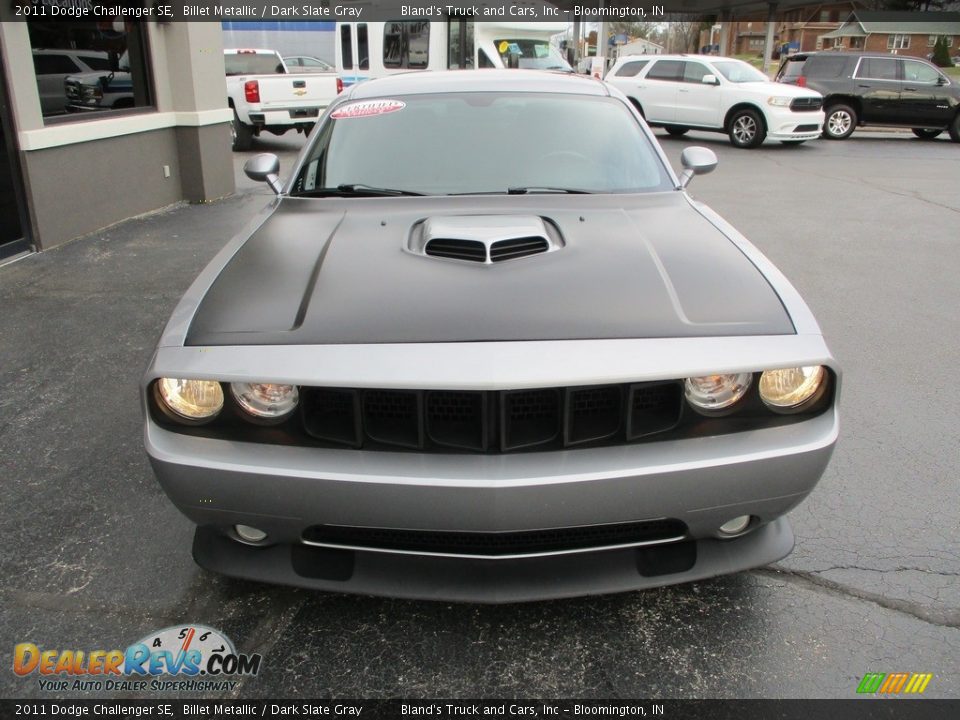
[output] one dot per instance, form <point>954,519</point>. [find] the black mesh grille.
<point>517,248</point>
<point>393,417</point>
<point>805,128</point>
<point>494,544</point>
<point>481,421</point>
<point>593,413</point>
<point>330,414</point>
<point>653,408</point>
<point>529,417</point>
<point>806,104</point>
<point>457,249</point>
<point>457,419</point>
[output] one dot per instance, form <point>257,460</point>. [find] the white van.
<point>374,49</point>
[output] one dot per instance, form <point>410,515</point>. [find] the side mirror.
<point>941,80</point>
<point>265,167</point>
<point>710,80</point>
<point>696,161</point>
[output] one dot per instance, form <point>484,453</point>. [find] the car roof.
<point>416,83</point>
<point>676,56</point>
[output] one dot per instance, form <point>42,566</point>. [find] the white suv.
<point>680,92</point>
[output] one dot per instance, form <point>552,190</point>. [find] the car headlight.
<point>266,402</point>
<point>791,388</point>
<point>712,393</point>
<point>189,401</point>
<point>779,101</point>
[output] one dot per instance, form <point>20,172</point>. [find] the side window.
<point>665,70</point>
<point>694,72</point>
<point>95,62</point>
<point>363,47</point>
<point>346,47</point>
<point>484,59</point>
<point>406,44</point>
<point>631,68</point>
<point>878,69</point>
<point>914,71</point>
<point>460,44</point>
<point>54,65</point>
<point>826,66</point>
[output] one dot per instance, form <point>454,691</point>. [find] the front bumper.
<point>487,581</point>
<point>286,490</point>
<point>786,124</point>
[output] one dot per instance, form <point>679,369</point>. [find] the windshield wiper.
<point>358,190</point>
<point>361,189</point>
<point>545,188</point>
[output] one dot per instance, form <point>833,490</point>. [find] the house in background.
<point>640,46</point>
<point>798,28</point>
<point>904,33</point>
<point>801,29</point>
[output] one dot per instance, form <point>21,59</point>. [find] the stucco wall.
<point>85,175</point>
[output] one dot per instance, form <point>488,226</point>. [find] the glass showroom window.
<point>89,67</point>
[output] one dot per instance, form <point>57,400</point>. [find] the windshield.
<point>534,54</point>
<point>739,72</point>
<point>455,143</point>
<point>249,63</point>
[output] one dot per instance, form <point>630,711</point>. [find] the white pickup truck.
<point>264,95</point>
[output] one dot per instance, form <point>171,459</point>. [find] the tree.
<point>941,52</point>
<point>631,29</point>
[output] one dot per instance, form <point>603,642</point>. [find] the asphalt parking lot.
<point>95,556</point>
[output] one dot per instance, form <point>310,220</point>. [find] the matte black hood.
<point>323,271</point>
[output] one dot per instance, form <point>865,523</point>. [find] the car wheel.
<point>746,129</point>
<point>240,134</point>
<point>926,133</point>
<point>839,122</point>
<point>677,130</point>
<point>954,128</point>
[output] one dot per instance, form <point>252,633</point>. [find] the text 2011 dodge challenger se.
<point>483,346</point>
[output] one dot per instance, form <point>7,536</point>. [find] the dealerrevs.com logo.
<point>193,657</point>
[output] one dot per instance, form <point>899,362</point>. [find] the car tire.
<point>676,130</point>
<point>241,134</point>
<point>954,128</point>
<point>926,133</point>
<point>746,129</point>
<point>840,122</point>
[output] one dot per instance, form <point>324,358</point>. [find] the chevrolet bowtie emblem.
<point>299,92</point>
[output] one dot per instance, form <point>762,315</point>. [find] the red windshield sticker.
<point>366,108</point>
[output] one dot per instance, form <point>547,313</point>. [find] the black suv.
<point>876,89</point>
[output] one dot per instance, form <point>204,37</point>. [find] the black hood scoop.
<point>486,239</point>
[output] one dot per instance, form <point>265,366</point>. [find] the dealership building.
<point>160,135</point>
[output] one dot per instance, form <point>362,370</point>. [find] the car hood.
<point>330,271</point>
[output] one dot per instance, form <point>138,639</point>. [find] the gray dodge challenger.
<point>483,346</point>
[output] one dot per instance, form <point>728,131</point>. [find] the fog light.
<point>250,534</point>
<point>735,526</point>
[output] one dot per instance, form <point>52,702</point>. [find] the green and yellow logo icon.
<point>894,683</point>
